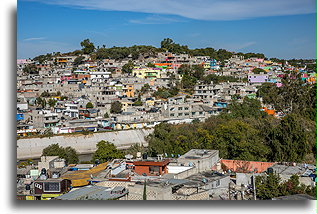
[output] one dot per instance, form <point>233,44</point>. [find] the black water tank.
<point>43,171</point>
<point>269,170</point>
<point>27,187</point>
<point>97,162</point>
<point>144,156</point>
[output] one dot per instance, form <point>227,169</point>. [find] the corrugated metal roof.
<point>93,193</point>
<point>80,178</point>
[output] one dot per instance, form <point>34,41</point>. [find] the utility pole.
<point>229,191</point>
<point>254,190</point>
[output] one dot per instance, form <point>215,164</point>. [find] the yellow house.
<point>126,104</point>
<point>206,65</point>
<point>149,103</point>
<point>147,73</point>
<point>268,62</point>
<point>129,90</point>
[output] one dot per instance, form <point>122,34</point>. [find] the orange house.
<point>150,167</point>
<point>245,166</point>
<point>269,111</point>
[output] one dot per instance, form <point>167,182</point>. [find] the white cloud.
<point>155,19</point>
<point>199,9</point>
<point>34,39</point>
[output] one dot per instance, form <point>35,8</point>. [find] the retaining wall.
<point>84,144</point>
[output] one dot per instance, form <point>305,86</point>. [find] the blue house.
<point>19,117</point>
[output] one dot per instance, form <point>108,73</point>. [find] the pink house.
<point>22,61</point>
<point>259,60</point>
<point>175,66</point>
<point>278,84</point>
<point>66,77</point>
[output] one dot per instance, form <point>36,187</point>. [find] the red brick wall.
<point>142,169</point>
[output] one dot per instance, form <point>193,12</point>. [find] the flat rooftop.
<point>198,154</point>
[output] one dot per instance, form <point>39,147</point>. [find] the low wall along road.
<point>84,144</point>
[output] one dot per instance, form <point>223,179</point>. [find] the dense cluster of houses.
<point>196,175</point>
<point>65,90</point>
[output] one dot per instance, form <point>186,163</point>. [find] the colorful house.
<point>245,166</point>
<point>152,168</point>
<point>147,73</point>
<point>257,78</point>
<point>129,90</point>
<point>163,65</point>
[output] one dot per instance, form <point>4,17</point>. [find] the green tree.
<point>294,96</point>
<point>106,151</point>
<point>167,44</point>
<point>250,108</point>
<point>45,94</point>
<point>52,103</point>
<point>30,69</point>
<point>184,69</point>
<point>145,88</point>
<point>116,107</point>
<point>258,71</point>
<point>165,93</point>
<point>69,154</point>
<point>43,58</point>
<point>150,65</point>
<point>144,191</point>
<point>78,60</point>
<point>87,46</point>
<point>238,140</point>
<point>138,102</point>
<point>289,140</point>
<point>135,148</point>
<point>89,105</point>
<point>40,102</point>
<point>267,186</point>
<point>188,83</point>
<point>268,92</point>
<point>106,115</point>
<point>127,68</point>
<point>198,72</point>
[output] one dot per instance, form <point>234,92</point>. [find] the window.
<point>180,108</point>
<point>51,187</point>
<point>154,169</point>
<point>172,115</point>
<point>186,108</point>
<point>180,114</point>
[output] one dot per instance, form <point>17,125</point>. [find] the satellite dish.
<point>128,156</point>
<point>138,154</point>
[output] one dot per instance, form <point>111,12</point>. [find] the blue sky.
<point>277,28</point>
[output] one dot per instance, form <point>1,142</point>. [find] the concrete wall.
<point>84,144</point>
<point>186,173</point>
